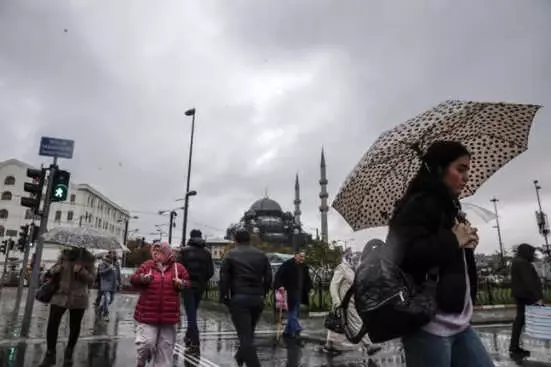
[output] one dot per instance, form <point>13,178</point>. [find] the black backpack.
<point>387,300</point>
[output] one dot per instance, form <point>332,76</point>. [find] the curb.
<point>493,307</point>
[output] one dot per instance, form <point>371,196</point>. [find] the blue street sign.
<point>54,147</point>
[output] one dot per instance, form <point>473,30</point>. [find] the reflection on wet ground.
<point>111,343</point>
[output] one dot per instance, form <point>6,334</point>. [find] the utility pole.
<point>495,201</point>
<point>171,225</point>
<point>33,284</point>
<point>542,220</point>
<point>191,113</point>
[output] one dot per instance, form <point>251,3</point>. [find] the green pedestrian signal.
<point>60,185</point>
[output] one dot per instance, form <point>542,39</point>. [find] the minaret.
<point>297,202</point>
<point>324,208</point>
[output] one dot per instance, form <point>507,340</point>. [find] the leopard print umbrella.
<point>494,133</point>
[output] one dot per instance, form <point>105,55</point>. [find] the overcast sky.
<point>272,82</point>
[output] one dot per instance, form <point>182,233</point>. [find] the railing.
<point>489,293</point>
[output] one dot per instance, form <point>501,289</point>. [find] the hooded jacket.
<point>198,262</point>
<point>525,282</point>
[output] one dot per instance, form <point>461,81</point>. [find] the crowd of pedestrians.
<point>428,223</point>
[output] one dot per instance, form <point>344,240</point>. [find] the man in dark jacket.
<point>198,262</point>
<point>245,279</point>
<point>294,277</point>
<point>527,289</point>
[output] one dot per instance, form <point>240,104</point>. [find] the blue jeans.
<point>192,298</point>
<point>106,299</point>
<point>293,325</point>
<point>461,350</point>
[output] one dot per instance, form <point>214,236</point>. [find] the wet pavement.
<point>112,343</point>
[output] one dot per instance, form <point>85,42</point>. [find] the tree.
<point>322,258</point>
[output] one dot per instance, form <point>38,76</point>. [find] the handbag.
<point>47,290</point>
<point>334,320</point>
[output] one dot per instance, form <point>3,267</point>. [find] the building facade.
<point>85,206</point>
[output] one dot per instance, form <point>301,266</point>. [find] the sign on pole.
<point>54,147</point>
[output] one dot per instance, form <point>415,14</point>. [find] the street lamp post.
<point>498,227</point>
<point>190,112</point>
<point>542,222</point>
<point>185,207</point>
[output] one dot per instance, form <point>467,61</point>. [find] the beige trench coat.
<point>342,280</point>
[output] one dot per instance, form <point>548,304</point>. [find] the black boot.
<point>68,357</point>
<point>49,359</point>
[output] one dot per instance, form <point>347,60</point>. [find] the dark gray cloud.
<point>272,83</point>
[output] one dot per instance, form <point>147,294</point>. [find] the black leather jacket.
<point>198,262</point>
<point>245,270</point>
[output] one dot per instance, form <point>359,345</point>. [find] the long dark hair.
<point>77,254</point>
<point>429,177</point>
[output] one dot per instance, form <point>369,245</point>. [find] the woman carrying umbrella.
<point>427,221</point>
<point>74,272</point>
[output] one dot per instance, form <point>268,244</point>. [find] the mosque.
<point>266,218</point>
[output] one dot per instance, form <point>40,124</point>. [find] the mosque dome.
<point>266,205</point>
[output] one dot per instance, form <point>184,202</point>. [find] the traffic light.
<point>60,185</point>
<point>35,189</point>
<point>22,242</point>
<point>4,247</point>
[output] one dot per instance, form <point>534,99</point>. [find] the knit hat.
<point>195,233</point>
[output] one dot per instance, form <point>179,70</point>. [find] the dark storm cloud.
<point>272,82</point>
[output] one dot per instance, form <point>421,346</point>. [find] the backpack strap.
<point>355,339</point>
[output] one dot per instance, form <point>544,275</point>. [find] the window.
<point>11,233</point>
<point>3,214</point>
<point>70,216</point>
<point>73,198</point>
<point>10,180</point>
<point>6,195</point>
<point>2,230</point>
<point>99,223</point>
<point>57,217</point>
<point>28,214</point>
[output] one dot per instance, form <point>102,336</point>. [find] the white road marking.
<point>195,360</point>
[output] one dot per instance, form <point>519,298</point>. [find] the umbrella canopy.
<point>483,213</point>
<point>494,133</point>
<point>88,238</point>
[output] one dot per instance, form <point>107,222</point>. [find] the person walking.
<point>198,262</point>
<point>74,272</point>
<point>159,280</point>
<point>293,275</point>
<point>109,283</point>
<point>245,279</point>
<point>343,278</point>
<point>527,289</point>
<point>434,234</point>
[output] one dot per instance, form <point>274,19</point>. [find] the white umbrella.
<point>89,238</point>
<point>483,213</point>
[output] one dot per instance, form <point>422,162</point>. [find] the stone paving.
<point>111,343</point>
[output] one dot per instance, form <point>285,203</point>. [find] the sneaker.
<point>49,359</point>
<point>519,352</point>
